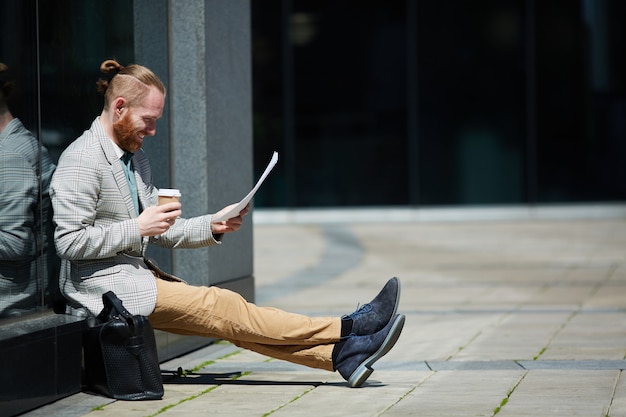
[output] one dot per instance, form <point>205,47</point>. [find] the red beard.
<point>126,134</point>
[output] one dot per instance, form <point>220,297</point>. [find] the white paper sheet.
<point>234,212</point>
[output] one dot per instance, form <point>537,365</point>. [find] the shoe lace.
<point>360,309</point>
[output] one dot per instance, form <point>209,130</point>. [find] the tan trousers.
<point>224,314</point>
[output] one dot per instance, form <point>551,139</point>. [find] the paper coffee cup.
<point>168,195</point>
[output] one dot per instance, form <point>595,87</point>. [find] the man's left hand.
<point>231,225</point>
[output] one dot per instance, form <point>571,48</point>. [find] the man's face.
<point>138,121</point>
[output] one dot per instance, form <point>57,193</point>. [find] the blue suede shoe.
<point>355,356</point>
<point>373,316</point>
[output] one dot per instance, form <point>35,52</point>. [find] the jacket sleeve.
<point>89,213</point>
<point>19,194</point>
<point>194,232</point>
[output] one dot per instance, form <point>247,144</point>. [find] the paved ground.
<point>507,318</point>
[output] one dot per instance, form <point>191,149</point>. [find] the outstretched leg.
<point>220,313</point>
<point>350,344</point>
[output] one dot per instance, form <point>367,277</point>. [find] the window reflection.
<point>50,48</point>
<point>26,254</point>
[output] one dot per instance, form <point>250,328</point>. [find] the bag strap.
<point>113,307</point>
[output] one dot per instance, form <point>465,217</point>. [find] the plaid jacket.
<point>97,235</point>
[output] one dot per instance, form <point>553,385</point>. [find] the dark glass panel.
<point>75,37</point>
<point>53,49</point>
<point>335,91</point>
<point>350,102</point>
<point>563,129</point>
<point>24,205</point>
<point>514,101</point>
<point>268,86</point>
<point>605,71</point>
<point>471,95</point>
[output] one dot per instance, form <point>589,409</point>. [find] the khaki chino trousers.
<point>224,314</point>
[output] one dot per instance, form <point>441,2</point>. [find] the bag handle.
<point>113,307</point>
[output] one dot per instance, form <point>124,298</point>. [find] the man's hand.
<point>231,225</point>
<point>157,220</point>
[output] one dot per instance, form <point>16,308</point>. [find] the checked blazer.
<point>97,236</point>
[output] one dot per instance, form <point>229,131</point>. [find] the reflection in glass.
<point>25,212</point>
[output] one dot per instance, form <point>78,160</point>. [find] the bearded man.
<point>106,214</point>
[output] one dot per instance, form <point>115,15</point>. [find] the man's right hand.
<point>157,220</point>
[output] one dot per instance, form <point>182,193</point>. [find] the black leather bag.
<point>121,359</point>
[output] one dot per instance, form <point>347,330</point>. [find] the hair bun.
<point>5,74</point>
<point>7,82</point>
<point>110,65</point>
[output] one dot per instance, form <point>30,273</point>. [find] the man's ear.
<point>119,104</point>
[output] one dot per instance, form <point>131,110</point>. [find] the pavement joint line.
<point>296,398</point>
<point>618,377</point>
<point>528,365</point>
<point>566,322</point>
<point>505,400</point>
<point>516,311</point>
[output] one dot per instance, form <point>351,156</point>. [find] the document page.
<point>244,202</point>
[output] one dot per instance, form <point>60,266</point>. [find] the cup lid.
<point>169,192</point>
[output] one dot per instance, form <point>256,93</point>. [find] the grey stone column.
<point>202,52</point>
<point>203,146</point>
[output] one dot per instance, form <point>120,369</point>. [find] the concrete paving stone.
<point>195,358</point>
<point>423,297</point>
<point>332,400</point>
<point>562,393</point>
<point>516,336</point>
<point>516,275</point>
<point>610,295</point>
<point>581,365</point>
<point>77,405</point>
<point>301,376</point>
<point>557,294</point>
<point>596,271</point>
<point>324,301</point>
<point>473,365</point>
<point>141,408</point>
<point>508,294</point>
<point>593,333</point>
<point>273,365</point>
<point>390,363</point>
<point>391,375</point>
<point>453,393</point>
<point>438,337</point>
<point>575,352</point>
<point>619,273</point>
<point>249,395</point>
<point>546,306</point>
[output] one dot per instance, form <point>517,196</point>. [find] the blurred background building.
<point>380,103</point>
<point>449,102</point>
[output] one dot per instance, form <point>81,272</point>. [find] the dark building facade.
<point>441,103</point>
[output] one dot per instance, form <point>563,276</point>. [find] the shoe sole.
<point>397,303</point>
<point>364,370</point>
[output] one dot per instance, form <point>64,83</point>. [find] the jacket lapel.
<point>140,167</point>
<point>116,168</point>
<point>122,183</point>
